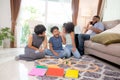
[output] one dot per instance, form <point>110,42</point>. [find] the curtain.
<point>111,10</point>
<point>100,9</point>
<point>15,6</point>
<point>75,8</point>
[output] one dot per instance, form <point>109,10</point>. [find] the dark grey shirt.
<point>37,40</point>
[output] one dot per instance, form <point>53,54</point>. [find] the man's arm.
<point>96,30</point>
<point>85,29</point>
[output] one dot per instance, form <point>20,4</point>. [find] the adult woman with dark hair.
<point>34,50</point>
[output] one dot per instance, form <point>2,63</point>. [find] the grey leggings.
<point>31,55</point>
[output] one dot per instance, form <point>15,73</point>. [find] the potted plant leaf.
<point>5,33</point>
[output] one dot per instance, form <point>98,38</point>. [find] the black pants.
<point>79,40</point>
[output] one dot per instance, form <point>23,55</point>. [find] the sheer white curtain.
<point>111,10</point>
<point>47,12</point>
<point>87,9</point>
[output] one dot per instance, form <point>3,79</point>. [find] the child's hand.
<point>56,54</point>
<point>73,49</point>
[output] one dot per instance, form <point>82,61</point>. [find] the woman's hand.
<point>41,50</point>
<point>62,34</point>
<point>74,49</point>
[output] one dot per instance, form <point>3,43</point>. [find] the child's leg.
<point>61,53</point>
<point>67,51</point>
<point>48,52</point>
<point>76,54</point>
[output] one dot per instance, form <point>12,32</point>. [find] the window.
<point>47,12</point>
<point>111,10</point>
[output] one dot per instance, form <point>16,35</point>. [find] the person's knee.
<point>63,53</point>
<point>41,55</point>
<point>77,54</point>
<point>47,52</point>
<point>80,35</point>
<point>67,52</point>
<point>80,38</point>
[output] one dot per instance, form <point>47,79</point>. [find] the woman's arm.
<point>63,38</point>
<point>30,43</point>
<point>45,43</point>
<point>73,41</point>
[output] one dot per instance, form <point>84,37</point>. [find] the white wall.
<point>5,14</point>
<point>5,17</point>
<point>111,10</point>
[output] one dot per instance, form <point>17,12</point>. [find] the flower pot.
<point>6,43</point>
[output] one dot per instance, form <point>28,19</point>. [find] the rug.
<point>89,68</point>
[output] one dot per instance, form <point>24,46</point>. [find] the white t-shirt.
<point>97,25</point>
<point>68,39</point>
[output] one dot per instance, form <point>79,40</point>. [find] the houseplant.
<point>5,33</point>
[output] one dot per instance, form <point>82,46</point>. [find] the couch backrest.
<point>111,24</point>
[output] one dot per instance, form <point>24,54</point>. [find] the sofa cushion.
<point>108,37</point>
<point>111,24</point>
<point>115,29</point>
<point>112,49</point>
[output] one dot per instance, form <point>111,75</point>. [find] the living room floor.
<point>16,70</point>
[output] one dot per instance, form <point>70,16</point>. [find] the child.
<point>68,39</point>
<point>34,50</point>
<point>55,44</point>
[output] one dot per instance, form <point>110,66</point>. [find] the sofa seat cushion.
<point>112,49</point>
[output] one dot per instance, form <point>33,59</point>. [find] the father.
<point>93,27</point>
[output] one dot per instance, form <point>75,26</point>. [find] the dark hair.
<point>69,27</point>
<point>39,29</point>
<point>64,24</point>
<point>53,28</point>
<point>97,16</point>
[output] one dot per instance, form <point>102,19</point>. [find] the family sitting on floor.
<point>37,42</point>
